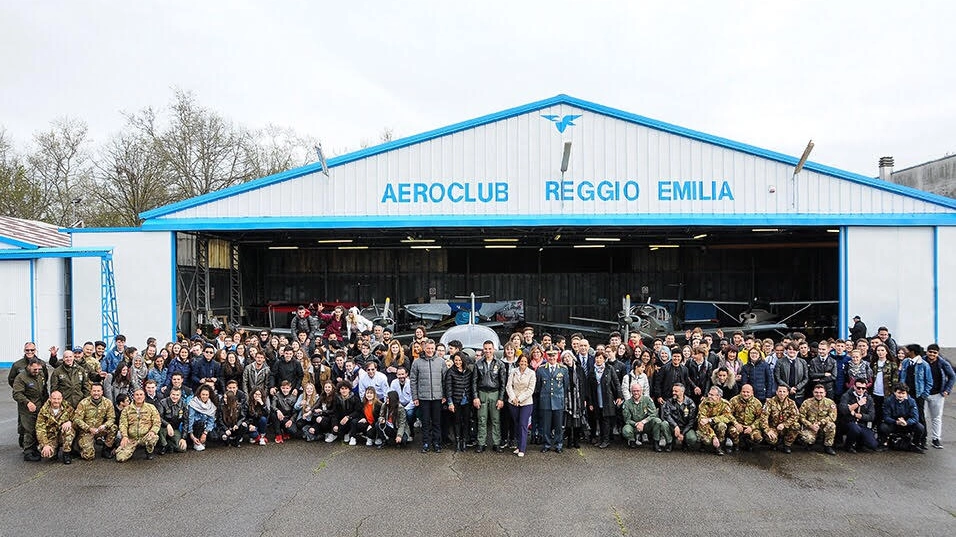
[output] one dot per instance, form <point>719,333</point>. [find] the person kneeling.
<point>392,422</point>
<point>202,417</point>
<point>55,428</point>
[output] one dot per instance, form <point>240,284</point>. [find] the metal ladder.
<point>110,314</point>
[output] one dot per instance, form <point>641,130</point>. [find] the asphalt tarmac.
<point>303,488</point>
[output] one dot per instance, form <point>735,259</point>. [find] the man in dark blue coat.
<point>552,385</point>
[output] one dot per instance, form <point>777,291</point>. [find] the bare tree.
<point>276,149</point>
<point>203,150</point>
<point>131,177</point>
<point>60,166</point>
<point>19,197</point>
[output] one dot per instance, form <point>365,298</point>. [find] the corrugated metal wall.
<point>525,152</point>
<point>14,309</point>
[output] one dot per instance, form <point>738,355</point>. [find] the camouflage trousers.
<point>721,431</point>
<point>789,435</point>
<point>63,439</point>
<point>148,441</point>
<point>827,432</point>
<point>755,437</point>
<point>87,441</point>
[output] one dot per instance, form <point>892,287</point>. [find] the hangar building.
<point>563,203</point>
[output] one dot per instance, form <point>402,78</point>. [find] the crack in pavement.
<point>619,520</point>
<point>358,528</point>
<point>503,528</point>
<point>451,466</point>
<point>36,476</point>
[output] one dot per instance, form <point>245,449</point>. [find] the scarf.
<point>207,408</point>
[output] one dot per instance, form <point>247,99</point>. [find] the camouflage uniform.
<point>70,381</point>
<point>89,415</point>
<point>92,367</point>
<point>748,414</point>
<point>776,413</point>
<point>139,426</point>
<point>822,413</point>
<point>50,427</point>
<point>721,424</point>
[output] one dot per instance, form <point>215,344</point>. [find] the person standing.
<point>70,380</point>
<point>490,390</point>
<point>605,396</point>
<point>942,379</point>
<point>520,388</point>
<point>426,378</point>
<point>552,386</point>
<point>858,330</point>
<point>575,404</point>
<point>823,369</point>
<point>459,392</point>
<point>30,393</point>
<point>792,374</point>
<point>917,375</point>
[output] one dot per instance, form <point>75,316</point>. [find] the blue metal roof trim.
<point>453,221</point>
<point>99,229</point>
<point>18,244</point>
<point>68,252</point>
<point>531,107</point>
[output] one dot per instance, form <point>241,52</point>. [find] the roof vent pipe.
<point>886,168</point>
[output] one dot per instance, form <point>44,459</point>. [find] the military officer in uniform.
<point>29,353</point>
<point>29,391</point>
<point>640,417</point>
<point>94,417</point>
<point>552,385</point>
<point>174,414</point>
<point>748,417</point>
<point>818,416</point>
<point>680,413</point>
<point>715,421</point>
<point>781,419</point>
<point>54,428</point>
<point>70,380</point>
<point>138,426</point>
<point>489,391</point>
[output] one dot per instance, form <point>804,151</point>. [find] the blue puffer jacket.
<point>179,366</point>
<point>760,376</point>
<point>922,376</point>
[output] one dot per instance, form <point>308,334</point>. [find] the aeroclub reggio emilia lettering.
<point>498,191</point>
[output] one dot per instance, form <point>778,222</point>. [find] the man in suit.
<point>552,385</point>
<point>793,374</point>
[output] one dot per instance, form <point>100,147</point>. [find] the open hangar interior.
<point>746,222</point>
<point>557,272</point>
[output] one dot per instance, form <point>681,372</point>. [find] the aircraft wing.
<point>766,327</point>
<point>571,327</point>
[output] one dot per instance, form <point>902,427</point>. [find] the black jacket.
<point>291,371</point>
<point>458,385</point>
<point>868,410</point>
<point>610,389</point>
<point>667,376</point>
<point>697,377</point>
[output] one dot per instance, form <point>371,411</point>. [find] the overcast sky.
<point>862,78</point>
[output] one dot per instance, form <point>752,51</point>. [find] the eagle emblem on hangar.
<point>563,122</point>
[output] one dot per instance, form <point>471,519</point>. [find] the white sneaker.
<point>199,447</point>
<point>262,440</point>
<point>352,442</point>
<point>252,440</point>
<point>378,442</point>
<point>368,442</point>
<point>348,438</point>
<point>329,438</point>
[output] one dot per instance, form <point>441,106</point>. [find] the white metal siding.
<point>51,303</point>
<point>525,151</point>
<point>890,280</point>
<point>947,287</point>
<point>142,267</point>
<point>14,309</point>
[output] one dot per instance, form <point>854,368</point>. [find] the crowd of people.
<point>343,379</point>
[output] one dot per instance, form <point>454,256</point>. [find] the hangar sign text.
<point>497,191</point>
